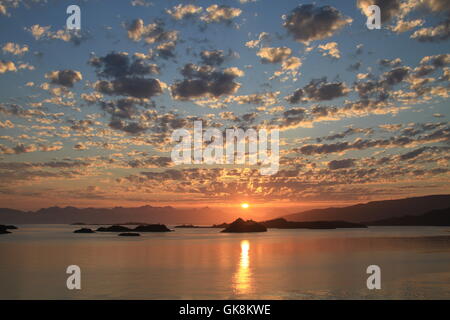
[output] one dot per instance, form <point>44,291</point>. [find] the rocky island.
<point>114,228</point>
<point>4,229</point>
<point>152,228</point>
<point>84,230</point>
<point>140,228</point>
<point>240,225</point>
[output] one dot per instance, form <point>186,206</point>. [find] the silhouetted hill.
<point>10,211</point>
<point>432,218</point>
<point>375,210</point>
<point>117,215</point>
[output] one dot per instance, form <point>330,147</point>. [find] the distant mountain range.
<point>117,215</point>
<point>360,213</point>
<point>375,210</point>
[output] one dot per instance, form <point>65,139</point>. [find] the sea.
<point>203,263</point>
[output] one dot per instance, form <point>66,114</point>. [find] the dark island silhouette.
<point>84,230</point>
<point>240,225</point>
<point>152,228</point>
<point>4,228</point>
<point>141,228</point>
<point>114,228</point>
<point>129,234</point>
<point>190,226</point>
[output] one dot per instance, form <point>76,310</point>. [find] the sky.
<point>86,116</point>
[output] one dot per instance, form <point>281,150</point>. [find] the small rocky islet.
<point>240,225</point>
<point>84,230</point>
<point>140,228</point>
<point>152,228</point>
<point>114,228</point>
<point>4,228</point>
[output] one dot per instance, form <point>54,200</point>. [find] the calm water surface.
<point>207,264</point>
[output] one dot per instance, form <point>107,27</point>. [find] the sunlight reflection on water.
<point>242,277</point>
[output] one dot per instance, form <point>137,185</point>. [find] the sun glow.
<point>245,205</point>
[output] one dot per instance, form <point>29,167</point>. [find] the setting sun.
<point>245,205</point>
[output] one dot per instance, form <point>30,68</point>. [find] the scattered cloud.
<point>15,49</point>
<point>308,22</point>
<point>66,78</point>
<point>7,66</point>
<point>181,11</point>
<point>220,13</point>
<point>205,81</point>
<point>319,90</point>
<point>330,49</point>
<point>44,33</point>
